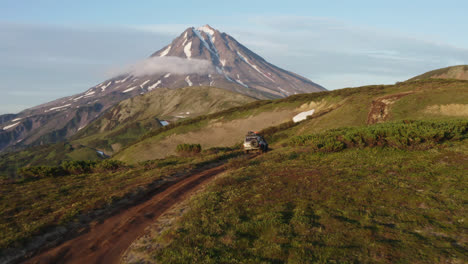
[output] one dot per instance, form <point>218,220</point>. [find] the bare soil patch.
<point>380,107</point>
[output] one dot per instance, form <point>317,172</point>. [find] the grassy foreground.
<point>47,197</point>
<point>380,204</point>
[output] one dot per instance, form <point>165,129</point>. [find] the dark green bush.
<point>38,172</point>
<point>71,168</point>
<point>188,149</point>
<point>401,135</point>
<point>78,167</point>
<point>109,165</point>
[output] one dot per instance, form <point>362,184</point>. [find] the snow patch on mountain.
<point>167,75</point>
<point>144,83</point>
<point>227,77</point>
<point>89,93</point>
<point>241,83</point>
<point>303,115</point>
<point>185,38</point>
<point>207,46</point>
<point>187,50</point>
<point>206,29</point>
<point>78,98</point>
<point>11,126</point>
<point>187,79</point>
<point>284,92</point>
<point>58,108</point>
<point>153,86</point>
<point>123,80</point>
<point>103,88</point>
<point>130,89</point>
<point>165,52</point>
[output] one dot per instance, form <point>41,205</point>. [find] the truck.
<point>255,142</point>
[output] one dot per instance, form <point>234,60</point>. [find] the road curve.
<point>105,242</point>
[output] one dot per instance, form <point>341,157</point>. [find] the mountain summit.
<point>234,64</point>
<point>198,57</point>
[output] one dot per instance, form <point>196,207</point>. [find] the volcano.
<point>229,65</point>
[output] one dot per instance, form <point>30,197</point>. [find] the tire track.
<point>105,242</point>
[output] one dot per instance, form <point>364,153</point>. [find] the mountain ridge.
<point>458,72</point>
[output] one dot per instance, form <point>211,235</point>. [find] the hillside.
<point>383,193</point>
<point>459,72</point>
<point>396,203</point>
<point>132,118</point>
<point>359,179</point>
<point>125,123</point>
<point>427,99</point>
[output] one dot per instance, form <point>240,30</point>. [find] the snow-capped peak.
<point>207,29</point>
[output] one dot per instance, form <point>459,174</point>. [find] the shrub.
<point>109,165</point>
<point>70,168</point>
<point>38,172</point>
<point>402,135</point>
<point>188,149</point>
<point>78,167</point>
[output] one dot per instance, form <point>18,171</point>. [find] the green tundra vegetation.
<point>188,149</point>
<point>420,100</point>
<point>389,193</point>
<point>44,197</point>
<point>336,188</point>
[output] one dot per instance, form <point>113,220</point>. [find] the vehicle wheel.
<point>254,143</point>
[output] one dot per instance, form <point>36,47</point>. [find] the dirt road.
<point>105,242</point>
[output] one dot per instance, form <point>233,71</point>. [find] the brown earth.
<point>380,107</point>
<point>105,242</point>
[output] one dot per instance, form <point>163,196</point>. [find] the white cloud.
<point>173,65</point>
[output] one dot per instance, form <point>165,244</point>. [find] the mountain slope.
<point>131,118</point>
<point>378,204</point>
<point>231,66</point>
<point>234,63</point>
<point>125,123</point>
<point>427,99</point>
<point>459,72</point>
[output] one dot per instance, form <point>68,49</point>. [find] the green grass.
<point>349,107</point>
<point>359,205</point>
<point>402,135</point>
<point>32,205</point>
<point>50,155</point>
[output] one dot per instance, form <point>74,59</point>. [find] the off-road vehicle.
<point>254,141</point>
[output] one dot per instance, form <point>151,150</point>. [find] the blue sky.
<point>51,49</point>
